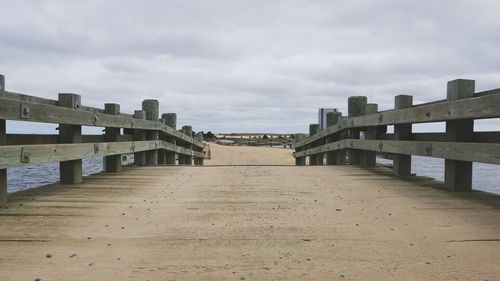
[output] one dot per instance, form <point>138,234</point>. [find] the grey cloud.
<point>247,65</point>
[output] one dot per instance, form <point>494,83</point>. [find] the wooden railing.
<point>357,138</point>
<point>153,141</point>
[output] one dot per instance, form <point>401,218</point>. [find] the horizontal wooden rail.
<point>475,152</point>
<point>358,138</point>
<point>24,139</point>
<point>13,156</point>
<point>479,137</point>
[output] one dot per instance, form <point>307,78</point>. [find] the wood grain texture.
<point>10,156</point>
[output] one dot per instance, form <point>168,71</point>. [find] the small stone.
<point>38,279</point>
<point>427,262</point>
<point>49,256</point>
<point>72,255</point>
<point>338,210</point>
<point>91,264</point>
<point>109,244</point>
<point>123,214</point>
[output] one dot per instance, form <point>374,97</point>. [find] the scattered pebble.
<point>38,279</point>
<point>72,255</point>
<point>91,264</point>
<point>338,210</point>
<point>49,256</point>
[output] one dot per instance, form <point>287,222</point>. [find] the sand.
<point>250,223</point>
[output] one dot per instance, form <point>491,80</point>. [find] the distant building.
<point>322,116</point>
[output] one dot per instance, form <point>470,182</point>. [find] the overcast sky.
<point>246,66</point>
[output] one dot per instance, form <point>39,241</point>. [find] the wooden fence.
<point>153,141</point>
<point>357,138</point>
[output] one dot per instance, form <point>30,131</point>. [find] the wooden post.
<point>140,135</point>
<point>70,172</point>
<point>369,158</point>
<point>188,130</point>
<point>151,107</point>
<point>313,129</point>
<point>162,153</point>
<point>199,160</point>
<point>299,161</point>
<point>3,141</point>
<point>332,118</point>
<point>113,163</point>
<point>171,121</point>
<point>356,106</point>
<point>458,174</point>
<point>402,162</point>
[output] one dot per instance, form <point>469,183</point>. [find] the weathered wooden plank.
<point>11,110</point>
<point>482,107</point>
<point>474,152</point>
<point>27,139</point>
<point>480,137</point>
<point>11,156</point>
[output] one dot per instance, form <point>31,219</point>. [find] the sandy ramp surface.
<point>250,223</point>
<point>249,155</point>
